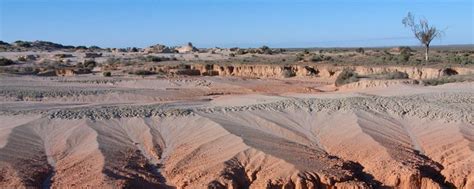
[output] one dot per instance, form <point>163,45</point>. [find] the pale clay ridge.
<point>447,106</point>
<point>321,71</point>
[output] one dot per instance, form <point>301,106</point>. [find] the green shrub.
<point>89,64</point>
<point>142,72</point>
<point>20,70</point>
<point>449,79</point>
<point>463,59</point>
<point>183,66</point>
<point>288,73</point>
<point>61,55</point>
<point>265,48</point>
<point>28,70</point>
<point>3,43</point>
<point>300,56</point>
<point>405,54</point>
<point>391,75</point>
<point>25,44</point>
<point>150,58</point>
<point>22,59</point>
<point>106,74</point>
<point>397,75</point>
<point>81,47</point>
<point>5,61</point>
<point>346,76</point>
<point>320,57</point>
<point>241,52</point>
<point>405,49</point>
<point>360,50</point>
<point>93,47</point>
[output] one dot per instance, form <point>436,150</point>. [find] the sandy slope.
<point>416,137</point>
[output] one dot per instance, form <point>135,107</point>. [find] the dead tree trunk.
<point>427,49</point>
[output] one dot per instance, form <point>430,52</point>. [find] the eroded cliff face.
<point>414,72</point>
<point>321,71</point>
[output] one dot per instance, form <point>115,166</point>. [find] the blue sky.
<point>228,23</point>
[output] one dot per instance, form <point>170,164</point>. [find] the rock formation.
<point>186,48</point>
<point>158,49</point>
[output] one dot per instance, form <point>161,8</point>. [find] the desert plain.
<point>183,117</point>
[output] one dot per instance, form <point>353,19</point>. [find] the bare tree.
<point>423,31</point>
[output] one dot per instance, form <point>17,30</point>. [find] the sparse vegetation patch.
<point>449,79</point>
<point>346,76</point>
<point>5,61</point>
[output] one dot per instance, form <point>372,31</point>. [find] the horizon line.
<point>262,44</point>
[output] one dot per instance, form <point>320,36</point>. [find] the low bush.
<point>448,79</point>
<point>320,57</point>
<point>346,76</point>
<point>134,49</point>
<point>151,58</point>
<point>93,47</point>
<point>111,61</point>
<point>405,54</point>
<point>22,59</point>
<point>300,56</point>
<point>3,43</point>
<point>141,72</point>
<point>266,50</point>
<point>241,52</point>
<point>390,75</point>
<point>396,75</point>
<point>29,70</point>
<point>20,70</point>
<point>405,49</point>
<point>6,61</point>
<point>62,55</point>
<point>460,59</point>
<point>288,73</point>
<point>89,64</point>
<point>81,48</point>
<point>106,74</point>
<point>25,44</point>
